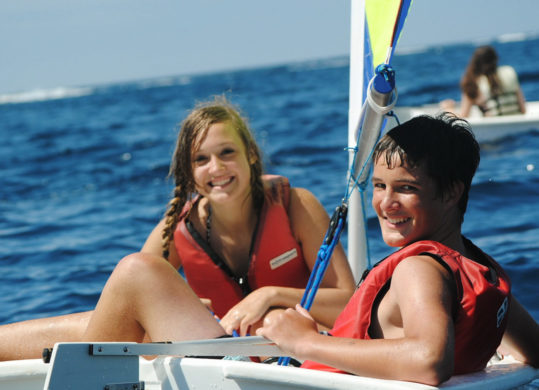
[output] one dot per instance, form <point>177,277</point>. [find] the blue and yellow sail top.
<point>384,22</point>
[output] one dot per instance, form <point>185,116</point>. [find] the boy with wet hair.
<point>437,307</point>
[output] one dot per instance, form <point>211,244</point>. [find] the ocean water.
<point>84,170</point>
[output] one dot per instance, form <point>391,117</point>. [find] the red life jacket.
<point>276,258</point>
<point>480,316</point>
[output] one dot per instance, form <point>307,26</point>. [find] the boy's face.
<point>407,206</point>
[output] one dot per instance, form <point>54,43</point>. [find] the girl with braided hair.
<point>246,242</point>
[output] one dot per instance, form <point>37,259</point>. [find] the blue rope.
<point>234,332</point>
<point>325,252</point>
<point>322,262</point>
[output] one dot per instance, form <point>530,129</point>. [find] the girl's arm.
<point>521,101</point>
<point>521,337</point>
<point>466,105</point>
<point>153,245</point>
<point>309,222</point>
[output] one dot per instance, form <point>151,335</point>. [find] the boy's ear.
<point>455,192</point>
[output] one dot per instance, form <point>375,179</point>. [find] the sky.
<point>66,43</point>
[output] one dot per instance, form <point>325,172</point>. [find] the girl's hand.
<point>289,330</point>
<point>248,312</point>
<point>207,302</point>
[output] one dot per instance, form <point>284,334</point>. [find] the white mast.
<point>357,232</point>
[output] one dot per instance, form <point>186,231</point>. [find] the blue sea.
<point>84,170</point>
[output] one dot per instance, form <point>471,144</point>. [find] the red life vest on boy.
<point>276,257</point>
<point>483,293</point>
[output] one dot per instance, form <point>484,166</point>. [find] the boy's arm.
<point>420,302</point>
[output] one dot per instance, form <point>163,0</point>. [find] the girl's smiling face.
<point>407,204</point>
<point>221,166</point>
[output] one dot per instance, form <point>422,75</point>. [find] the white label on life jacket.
<point>276,262</point>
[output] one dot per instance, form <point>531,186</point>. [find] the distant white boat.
<point>486,129</point>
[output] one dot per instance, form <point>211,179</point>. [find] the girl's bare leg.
<point>145,294</point>
<point>27,339</point>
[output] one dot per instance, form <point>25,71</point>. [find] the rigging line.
<point>325,252</point>
<point>339,216</point>
<point>351,178</point>
<point>350,188</point>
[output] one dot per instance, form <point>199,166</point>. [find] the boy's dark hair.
<point>445,145</point>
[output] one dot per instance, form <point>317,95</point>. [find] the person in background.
<point>246,242</point>
<point>494,89</point>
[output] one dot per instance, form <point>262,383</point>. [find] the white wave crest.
<point>44,94</point>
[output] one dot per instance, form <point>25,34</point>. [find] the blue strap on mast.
<point>333,234</point>
<point>331,239</point>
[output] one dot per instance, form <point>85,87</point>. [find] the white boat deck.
<point>173,373</point>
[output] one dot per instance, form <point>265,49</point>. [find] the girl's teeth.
<point>220,182</point>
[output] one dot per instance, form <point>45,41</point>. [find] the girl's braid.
<point>171,219</point>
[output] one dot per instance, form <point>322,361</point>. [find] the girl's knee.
<point>141,265</point>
